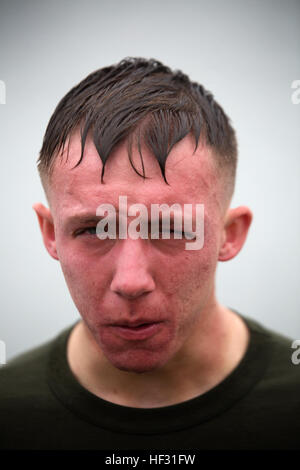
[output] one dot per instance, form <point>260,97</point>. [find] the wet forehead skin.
<point>192,177</point>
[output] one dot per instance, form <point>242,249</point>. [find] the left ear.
<point>236,226</point>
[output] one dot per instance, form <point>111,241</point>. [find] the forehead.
<point>192,177</point>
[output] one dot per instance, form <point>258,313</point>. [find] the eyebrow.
<point>82,219</point>
<point>86,218</point>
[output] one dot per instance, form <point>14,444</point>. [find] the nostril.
<point>131,296</point>
<point>132,288</point>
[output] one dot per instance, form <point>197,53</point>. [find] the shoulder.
<point>25,375</point>
<point>26,399</point>
<point>283,369</point>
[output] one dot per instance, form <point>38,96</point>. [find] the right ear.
<point>47,228</point>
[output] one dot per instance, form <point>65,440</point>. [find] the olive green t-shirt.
<point>257,406</point>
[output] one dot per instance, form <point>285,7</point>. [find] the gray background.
<point>246,52</point>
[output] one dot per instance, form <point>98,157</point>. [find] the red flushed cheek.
<point>190,273</point>
<point>87,281</point>
<point>192,270</point>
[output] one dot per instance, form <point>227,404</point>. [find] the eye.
<point>171,232</point>
<point>181,234</point>
<point>87,230</point>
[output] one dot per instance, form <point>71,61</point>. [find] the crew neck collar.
<point>125,419</point>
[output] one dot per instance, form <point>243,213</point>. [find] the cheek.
<point>192,271</point>
<point>193,280</point>
<point>86,278</point>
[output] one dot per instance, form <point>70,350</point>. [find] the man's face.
<point>117,281</point>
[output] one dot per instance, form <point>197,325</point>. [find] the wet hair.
<point>142,98</point>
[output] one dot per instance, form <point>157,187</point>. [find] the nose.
<point>132,277</point>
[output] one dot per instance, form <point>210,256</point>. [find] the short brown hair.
<point>145,95</point>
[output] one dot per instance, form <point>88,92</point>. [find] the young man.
<point>155,361</point>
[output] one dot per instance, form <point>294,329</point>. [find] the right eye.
<point>87,230</point>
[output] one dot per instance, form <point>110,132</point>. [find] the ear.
<point>47,228</point>
<point>236,226</point>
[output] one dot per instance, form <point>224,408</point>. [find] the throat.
<point>171,384</point>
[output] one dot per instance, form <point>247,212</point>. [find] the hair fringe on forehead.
<point>139,97</point>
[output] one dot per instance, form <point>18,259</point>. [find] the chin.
<point>137,362</point>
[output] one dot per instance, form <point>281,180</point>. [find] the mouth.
<point>142,325</point>
<point>136,324</point>
<point>136,331</point>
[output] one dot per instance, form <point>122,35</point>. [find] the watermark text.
<point>167,222</point>
<point>295,97</point>
<point>296,354</point>
<point>2,92</point>
<point>2,353</point>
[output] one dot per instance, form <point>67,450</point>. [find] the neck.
<point>211,354</point>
